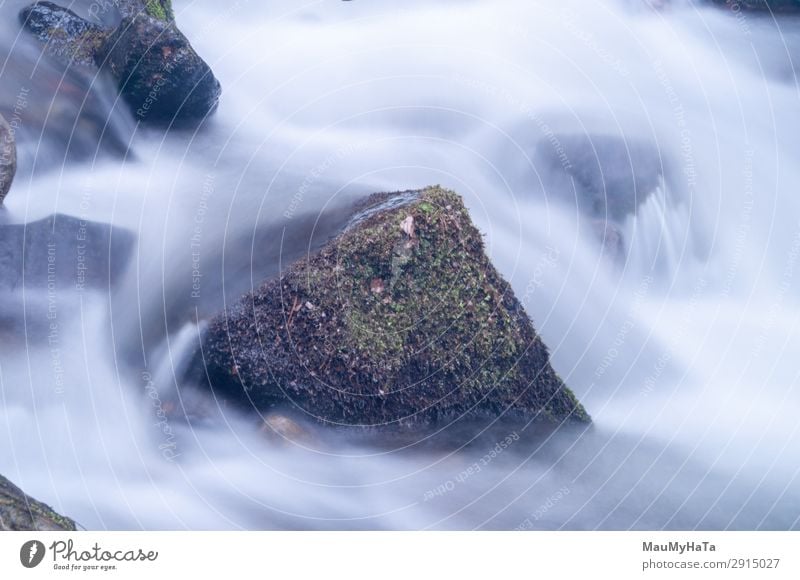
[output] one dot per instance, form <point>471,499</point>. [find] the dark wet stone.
<point>8,158</point>
<point>20,512</point>
<point>612,176</point>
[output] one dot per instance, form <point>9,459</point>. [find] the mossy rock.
<point>159,74</point>
<point>400,320</point>
<point>160,9</point>
<point>762,5</point>
<point>20,512</point>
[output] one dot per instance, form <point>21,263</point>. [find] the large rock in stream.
<point>399,320</point>
<point>20,512</point>
<point>159,75</point>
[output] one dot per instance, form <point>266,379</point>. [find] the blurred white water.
<point>682,352</point>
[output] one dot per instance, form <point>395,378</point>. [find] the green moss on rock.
<point>19,512</point>
<point>161,9</point>
<point>400,319</point>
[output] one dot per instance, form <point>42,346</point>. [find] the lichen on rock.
<point>401,319</point>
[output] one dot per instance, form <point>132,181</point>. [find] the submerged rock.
<point>401,319</point>
<point>20,512</point>
<point>8,158</point>
<point>62,250</point>
<point>160,76</point>
<point>281,429</point>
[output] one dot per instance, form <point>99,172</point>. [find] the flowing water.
<point>683,350</point>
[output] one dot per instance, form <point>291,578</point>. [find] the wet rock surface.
<point>606,177</point>
<point>399,320</point>
<point>612,176</point>
<point>161,77</point>
<point>20,512</point>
